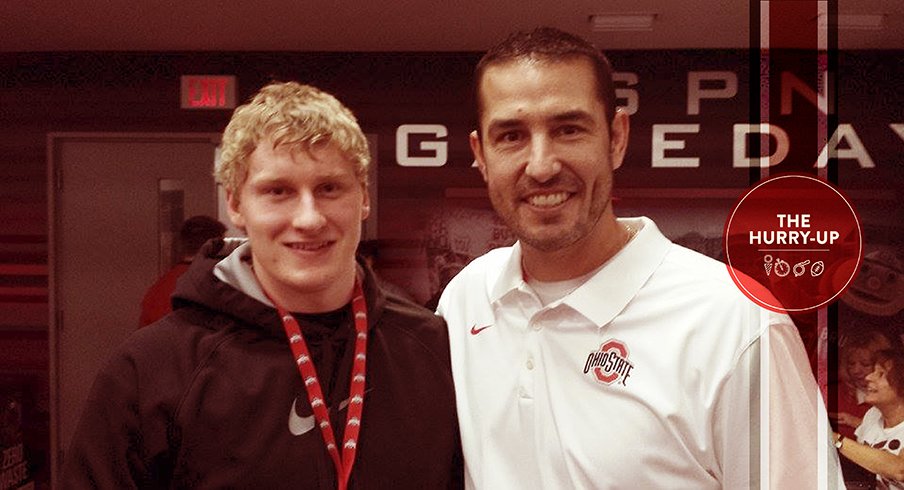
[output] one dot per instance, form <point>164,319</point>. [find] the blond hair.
<point>289,113</point>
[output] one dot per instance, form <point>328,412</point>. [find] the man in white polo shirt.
<point>595,353</point>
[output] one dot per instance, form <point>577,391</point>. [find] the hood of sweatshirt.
<point>221,279</point>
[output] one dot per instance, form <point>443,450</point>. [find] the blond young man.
<point>284,364</point>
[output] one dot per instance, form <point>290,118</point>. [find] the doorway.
<point>113,199</point>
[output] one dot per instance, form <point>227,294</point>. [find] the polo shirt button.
<point>536,326</point>
<point>530,364</point>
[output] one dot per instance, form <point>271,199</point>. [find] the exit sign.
<point>208,92</point>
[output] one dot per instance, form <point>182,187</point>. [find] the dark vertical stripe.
<point>832,84</point>
<point>754,117</point>
<point>754,53</point>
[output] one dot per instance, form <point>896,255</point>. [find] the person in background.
<point>880,435</point>
<point>193,233</point>
<point>595,353</point>
<point>369,250</point>
<point>284,364</point>
<point>858,360</point>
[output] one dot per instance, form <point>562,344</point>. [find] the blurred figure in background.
<point>877,447</point>
<point>195,231</point>
<point>858,360</point>
<point>369,250</point>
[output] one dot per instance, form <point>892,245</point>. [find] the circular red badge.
<point>793,243</point>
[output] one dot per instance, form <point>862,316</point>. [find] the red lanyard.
<point>315,395</point>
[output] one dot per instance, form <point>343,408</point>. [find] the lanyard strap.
<point>308,373</point>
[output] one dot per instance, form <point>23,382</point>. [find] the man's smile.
<point>548,200</point>
<point>310,246</point>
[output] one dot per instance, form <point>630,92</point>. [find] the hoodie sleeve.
<point>123,438</point>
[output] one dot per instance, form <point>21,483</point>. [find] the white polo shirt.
<point>640,378</point>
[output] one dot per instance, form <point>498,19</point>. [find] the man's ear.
<point>618,138</point>
<point>477,150</point>
<point>235,214</point>
<point>365,207</point>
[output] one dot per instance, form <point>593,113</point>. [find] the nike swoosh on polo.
<point>299,425</point>
<point>475,330</point>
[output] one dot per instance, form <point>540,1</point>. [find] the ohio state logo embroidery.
<point>610,364</point>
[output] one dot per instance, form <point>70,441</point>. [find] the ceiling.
<point>391,25</point>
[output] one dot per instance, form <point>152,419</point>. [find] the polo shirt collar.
<point>511,278</point>
<point>609,291</point>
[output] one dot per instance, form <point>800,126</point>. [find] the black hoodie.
<point>210,397</point>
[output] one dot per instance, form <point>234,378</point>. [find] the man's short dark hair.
<point>197,230</point>
<point>553,45</point>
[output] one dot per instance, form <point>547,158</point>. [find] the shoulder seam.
<point>196,372</point>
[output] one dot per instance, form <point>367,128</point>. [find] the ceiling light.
<point>863,22</point>
<point>622,22</point>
